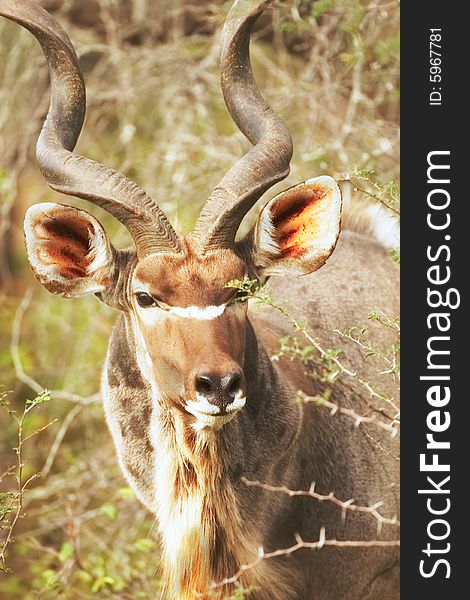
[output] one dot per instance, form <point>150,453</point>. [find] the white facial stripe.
<point>208,415</point>
<point>206,313</point>
<point>143,357</point>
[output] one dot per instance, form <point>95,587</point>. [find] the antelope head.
<point>189,330</point>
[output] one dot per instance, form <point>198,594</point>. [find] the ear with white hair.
<point>297,230</point>
<point>68,250</point>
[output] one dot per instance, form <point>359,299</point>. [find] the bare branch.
<point>19,369</point>
<point>381,448</point>
<point>59,438</point>
<point>345,506</point>
<point>39,430</point>
<point>392,428</point>
<point>300,543</point>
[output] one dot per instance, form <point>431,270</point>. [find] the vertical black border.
<point>428,128</point>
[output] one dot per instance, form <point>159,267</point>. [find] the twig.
<point>249,290</point>
<point>343,505</point>
<point>381,448</point>
<point>18,364</point>
<point>59,438</point>
<point>300,543</point>
<point>353,374</point>
<point>28,437</point>
<point>7,472</point>
<point>375,197</point>
<point>371,351</point>
<point>392,428</point>
<point>21,486</point>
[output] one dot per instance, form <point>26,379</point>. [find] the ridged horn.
<point>268,161</point>
<point>70,173</point>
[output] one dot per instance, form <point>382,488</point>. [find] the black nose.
<point>220,391</point>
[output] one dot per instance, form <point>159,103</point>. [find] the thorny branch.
<point>342,368</point>
<point>392,428</point>
<point>381,448</point>
<point>371,350</point>
<point>22,484</point>
<point>250,289</point>
<point>345,506</point>
<point>300,543</point>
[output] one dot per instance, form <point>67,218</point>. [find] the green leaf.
<point>144,545</point>
<point>41,398</point>
<point>49,577</point>
<point>321,7</point>
<point>66,551</point>
<point>84,577</point>
<point>109,510</point>
<point>101,583</point>
<point>125,493</point>
<point>394,255</point>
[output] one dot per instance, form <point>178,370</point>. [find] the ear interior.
<point>298,229</point>
<point>68,249</point>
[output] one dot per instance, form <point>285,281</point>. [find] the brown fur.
<point>190,279</point>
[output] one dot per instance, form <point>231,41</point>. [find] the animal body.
<point>197,409</point>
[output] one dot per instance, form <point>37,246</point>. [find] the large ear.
<point>297,230</point>
<point>68,250</point>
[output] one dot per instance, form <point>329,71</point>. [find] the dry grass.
<point>155,112</point>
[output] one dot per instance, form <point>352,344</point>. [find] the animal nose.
<point>220,391</point>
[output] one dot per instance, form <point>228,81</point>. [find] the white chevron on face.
<point>209,415</point>
<point>206,313</point>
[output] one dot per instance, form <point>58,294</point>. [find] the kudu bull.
<point>195,405</point>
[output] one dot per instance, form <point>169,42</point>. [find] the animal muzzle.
<point>218,396</point>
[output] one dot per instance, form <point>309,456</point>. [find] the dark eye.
<point>239,296</point>
<point>144,300</point>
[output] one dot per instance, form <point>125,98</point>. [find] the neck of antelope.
<point>210,521</point>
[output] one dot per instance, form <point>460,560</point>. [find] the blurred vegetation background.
<point>155,112</point>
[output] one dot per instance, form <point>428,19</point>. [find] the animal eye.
<point>239,296</point>
<point>144,300</point>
